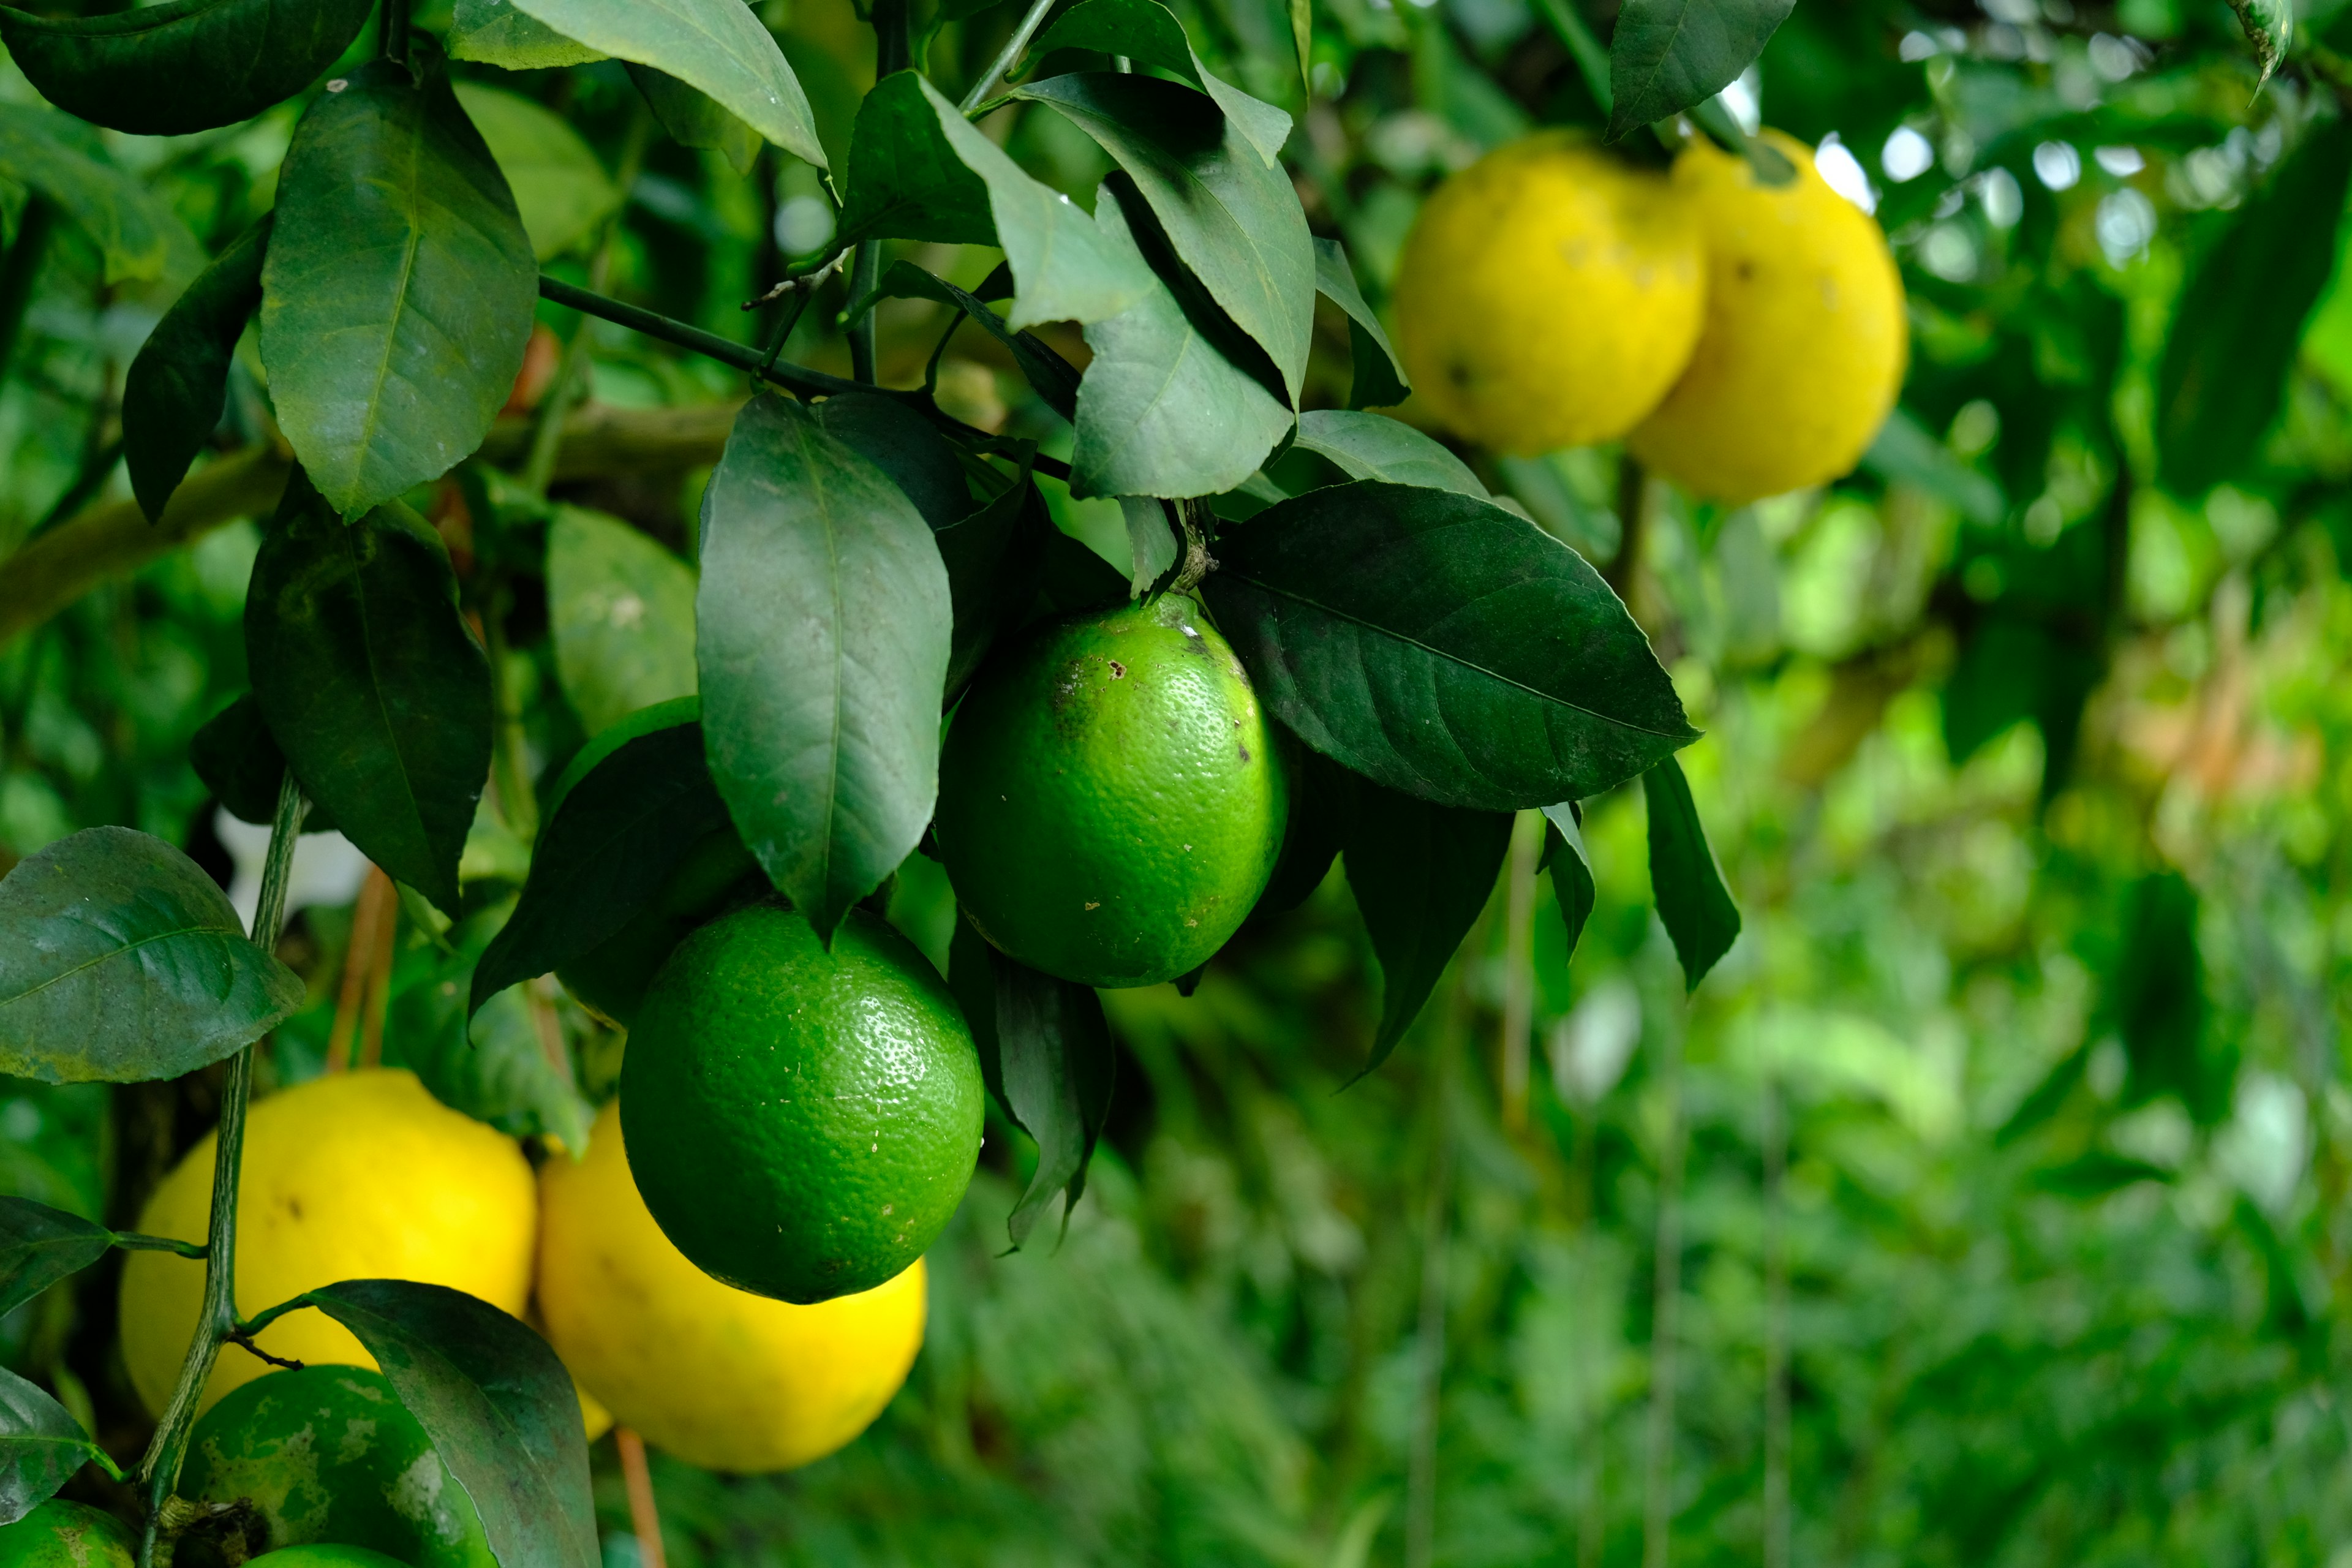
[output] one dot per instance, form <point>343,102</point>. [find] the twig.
<point>645,1518</point>
<point>244,1341</point>
<point>976,99</point>
<point>808,279</point>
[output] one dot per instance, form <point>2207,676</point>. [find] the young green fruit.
<point>60,1534</point>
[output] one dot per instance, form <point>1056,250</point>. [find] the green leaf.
<point>1167,406</point>
<point>2241,317</point>
<point>1571,871</point>
<point>1053,378</point>
<point>561,192</point>
<point>2269,26</point>
<point>1150,542</point>
<point>1046,1052</point>
<point>995,560</point>
<point>1234,222</point>
<point>918,170</point>
<point>1906,450</point>
<point>41,1447</point>
<point>177,385</point>
<point>1380,380</point>
<point>498,1404</point>
<point>1319,793</point>
<point>122,960</point>
<point>492,1065</point>
<point>718,48</point>
<point>1302,38</point>
<point>238,760</point>
<point>1442,647</point>
<point>1375,447</point>
<point>136,234</point>
<point>1421,873</point>
<point>397,295</point>
<point>1148,34</point>
<point>907,448</point>
<point>695,119</point>
<point>1693,903</point>
<point>620,609</point>
<point>822,629</point>
<point>610,842</point>
<point>1667,56</point>
<point>494,33</point>
<point>40,1245</point>
<point>371,682</point>
<point>168,70</point>
<point>2155,996</point>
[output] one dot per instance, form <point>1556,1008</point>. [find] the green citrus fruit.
<point>60,1534</point>
<point>802,1124</point>
<point>325,1557</point>
<point>611,978</point>
<point>330,1453</point>
<point>1111,802</point>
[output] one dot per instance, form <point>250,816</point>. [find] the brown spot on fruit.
<point>1118,670</point>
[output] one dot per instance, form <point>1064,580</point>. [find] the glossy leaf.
<point>371,682</point>
<point>238,760</point>
<point>2269,26</point>
<point>498,1404</point>
<point>1148,34</point>
<point>610,843</point>
<point>137,236</point>
<point>1053,378</point>
<point>398,291</point>
<point>620,609</point>
<point>40,1245</point>
<point>1667,56</point>
<point>718,48</point>
<point>1693,903</point>
<point>1375,447</point>
<point>822,629</point>
<point>561,192</point>
<point>1379,378</point>
<point>1571,871</point>
<point>494,33</point>
<point>1150,541</point>
<point>122,960</point>
<point>1443,646</point>
<point>492,1065</point>
<point>176,388</point>
<point>1319,793</point>
<point>1234,222</point>
<point>1421,873</point>
<point>995,560</point>
<point>170,69</point>
<point>907,448</point>
<point>2241,318</point>
<point>907,179</point>
<point>41,1446</point>
<point>1164,408</point>
<point>695,119</point>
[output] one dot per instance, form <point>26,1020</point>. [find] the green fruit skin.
<point>1111,798</point>
<point>329,1454</point>
<point>326,1557</point>
<point>60,1534</point>
<point>611,979</point>
<point>801,1123</point>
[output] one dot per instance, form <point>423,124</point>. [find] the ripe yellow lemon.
<point>1805,339</point>
<point>1549,295</point>
<point>362,1175</point>
<point>718,1376</point>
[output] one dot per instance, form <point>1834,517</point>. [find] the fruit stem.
<point>1198,562</point>
<point>216,1323</point>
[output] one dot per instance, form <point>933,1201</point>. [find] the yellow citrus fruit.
<point>1110,800</point>
<point>718,1376</point>
<point>1805,340</point>
<point>1549,295</point>
<point>361,1175</point>
<point>60,1534</point>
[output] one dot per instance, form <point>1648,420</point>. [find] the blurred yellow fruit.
<point>1805,340</point>
<point>1549,295</point>
<point>361,1175</point>
<point>716,1376</point>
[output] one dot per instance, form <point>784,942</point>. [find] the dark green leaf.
<point>1234,222</point>
<point>168,70</point>
<point>122,960</point>
<point>371,682</point>
<point>236,756</point>
<point>1076,578</point>
<point>492,1065</point>
<point>175,388</point>
<point>495,32</point>
<point>1055,379</point>
<point>2156,998</point>
<point>136,234</point>
<point>561,192</point>
<point>1571,871</point>
<point>2241,317</point>
<point>1442,647</point>
<point>907,448</point>
<point>995,560</point>
<point>41,1446</point>
<point>1667,56</point>
<point>1421,873</point>
<point>2012,669</point>
<point>906,180</point>
<point>609,843</point>
<point>822,629</point>
<point>1167,406</point>
<point>498,1404</point>
<point>1375,447</point>
<point>1150,541</point>
<point>1147,33</point>
<point>620,609</point>
<point>1379,376</point>
<point>40,1245</point>
<point>1693,902</point>
<point>2095,1173</point>
<point>398,291</point>
<point>1319,793</point>
<point>697,119</point>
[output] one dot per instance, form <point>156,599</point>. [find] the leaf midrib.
<point>114,953</point>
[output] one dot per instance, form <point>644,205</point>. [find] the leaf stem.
<point>977,98</point>
<point>135,1241</point>
<point>217,1321</point>
<point>392,36</point>
<point>892,49</point>
<point>1198,562</point>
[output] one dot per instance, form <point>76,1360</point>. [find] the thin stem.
<point>645,1517</point>
<point>863,273</point>
<point>1633,522</point>
<point>391,33</point>
<point>1031,20</point>
<point>134,1241</point>
<point>21,267</point>
<point>1592,60</point>
<point>1658,1514</point>
<point>1198,562</point>
<point>217,1321</point>
<point>1520,968</point>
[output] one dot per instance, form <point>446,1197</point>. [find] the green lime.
<point>610,979</point>
<point>326,1557</point>
<point>802,1124</point>
<point>1111,802</point>
<point>330,1453</point>
<point>60,1534</point>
